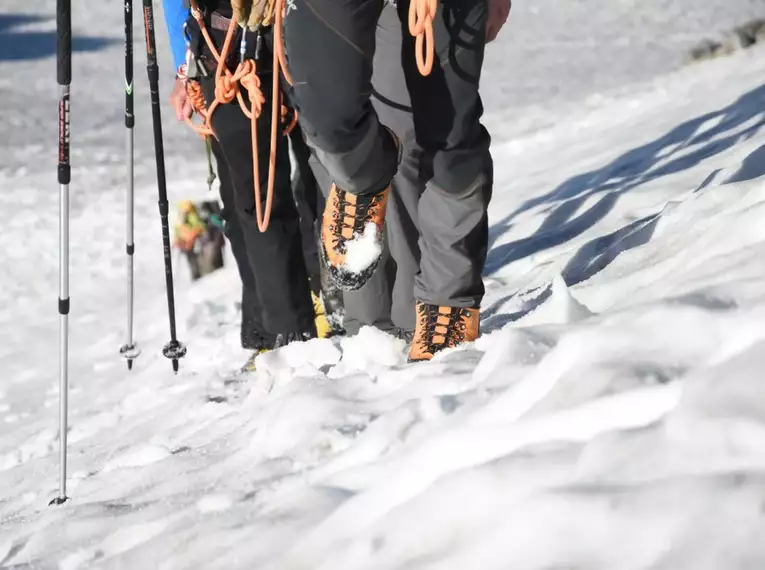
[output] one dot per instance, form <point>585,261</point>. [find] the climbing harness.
<point>228,87</point>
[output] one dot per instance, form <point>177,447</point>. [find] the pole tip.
<point>175,366</point>
<point>58,501</point>
<point>130,364</point>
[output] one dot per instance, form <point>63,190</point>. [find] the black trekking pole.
<point>129,350</point>
<point>64,72</point>
<point>173,349</point>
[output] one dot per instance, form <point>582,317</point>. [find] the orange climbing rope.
<point>421,16</point>
<point>227,88</point>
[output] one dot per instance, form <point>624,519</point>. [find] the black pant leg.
<point>276,255</point>
<point>306,192</point>
<point>252,333</point>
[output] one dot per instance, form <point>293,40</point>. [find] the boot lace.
<point>440,334</point>
<point>361,212</point>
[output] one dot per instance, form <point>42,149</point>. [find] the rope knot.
<point>251,82</point>
<point>226,88</point>
<point>197,100</point>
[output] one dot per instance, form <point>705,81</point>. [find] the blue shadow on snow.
<point>24,46</point>
<point>683,147</point>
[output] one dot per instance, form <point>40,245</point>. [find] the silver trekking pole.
<point>129,350</point>
<point>64,72</point>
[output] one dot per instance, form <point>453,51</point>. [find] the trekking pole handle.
<point>129,118</point>
<point>64,72</point>
<point>64,27</point>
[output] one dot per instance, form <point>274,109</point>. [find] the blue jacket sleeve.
<point>176,14</point>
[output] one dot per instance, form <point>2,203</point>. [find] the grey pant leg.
<point>330,47</point>
<point>387,299</point>
<point>392,103</point>
<point>455,159</point>
<point>370,305</point>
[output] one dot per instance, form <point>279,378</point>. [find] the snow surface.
<point>610,417</point>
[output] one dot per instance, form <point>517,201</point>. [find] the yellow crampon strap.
<point>252,14</point>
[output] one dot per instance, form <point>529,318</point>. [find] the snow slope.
<point>609,417</point>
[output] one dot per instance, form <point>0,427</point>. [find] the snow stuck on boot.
<point>363,250</point>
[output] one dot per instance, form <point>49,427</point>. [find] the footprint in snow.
<point>39,445</point>
<point>214,503</point>
<point>124,539</point>
<point>92,426</point>
<point>138,457</point>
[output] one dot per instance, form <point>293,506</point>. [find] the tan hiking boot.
<point>351,236</point>
<point>439,328</point>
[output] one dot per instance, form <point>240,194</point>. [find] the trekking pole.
<point>129,350</point>
<point>173,350</point>
<point>64,72</point>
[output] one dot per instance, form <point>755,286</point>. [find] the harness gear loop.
<point>421,15</point>
<point>227,88</point>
